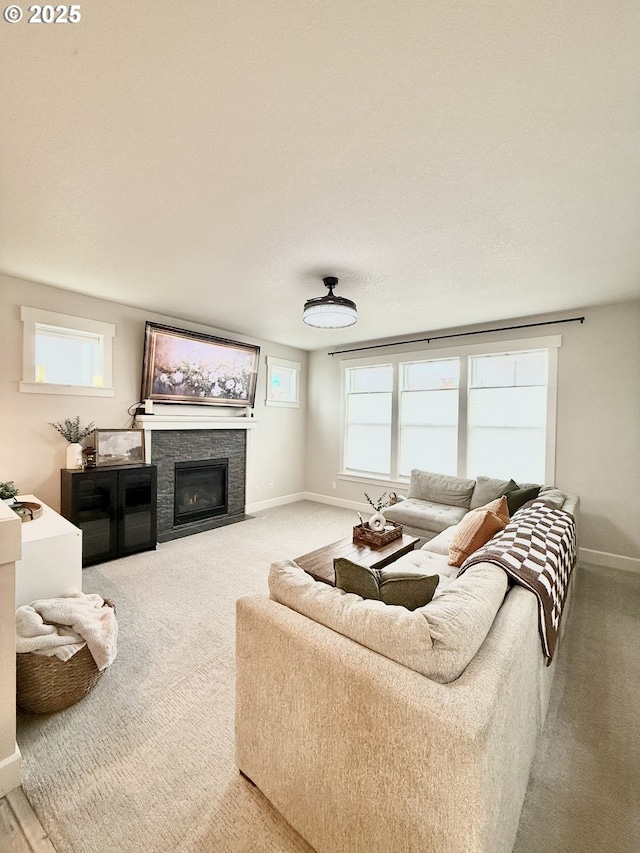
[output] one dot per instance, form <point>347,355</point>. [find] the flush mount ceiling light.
<point>330,311</point>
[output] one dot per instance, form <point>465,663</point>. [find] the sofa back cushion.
<point>441,488</point>
<point>553,496</point>
<point>488,489</point>
<point>437,640</point>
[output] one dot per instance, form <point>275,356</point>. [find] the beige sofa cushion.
<point>440,544</point>
<point>424,515</point>
<point>440,488</point>
<point>428,563</point>
<point>437,640</point>
<point>553,496</point>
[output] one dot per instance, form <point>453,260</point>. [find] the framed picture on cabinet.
<point>119,446</point>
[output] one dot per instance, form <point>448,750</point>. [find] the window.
<point>283,382</point>
<point>66,355</point>
<point>489,409</point>
<point>429,416</point>
<point>368,419</point>
<point>507,415</point>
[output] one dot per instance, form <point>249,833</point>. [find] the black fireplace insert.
<point>201,489</point>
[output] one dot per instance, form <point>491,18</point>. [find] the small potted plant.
<point>74,433</point>
<point>377,520</point>
<point>8,492</point>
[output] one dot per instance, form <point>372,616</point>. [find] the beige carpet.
<point>145,762</point>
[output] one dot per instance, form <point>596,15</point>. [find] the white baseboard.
<point>356,506</point>
<point>256,506</point>
<point>612,561</point>
<point>10,773</point>
<point>364,508</point>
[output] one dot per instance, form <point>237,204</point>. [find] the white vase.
<point>74,455</point>
<point>377,521</point>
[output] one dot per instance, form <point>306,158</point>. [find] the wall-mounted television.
<point>180,366</point>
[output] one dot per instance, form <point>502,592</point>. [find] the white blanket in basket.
<point>62,626</point>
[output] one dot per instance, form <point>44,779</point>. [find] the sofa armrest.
<point>362,754</point>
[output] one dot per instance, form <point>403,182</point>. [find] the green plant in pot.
<point>377,520</point>
<point>71,429</point>
<point>8,491</point>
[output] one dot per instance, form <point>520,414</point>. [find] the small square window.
<point>283,382</point>
<point>66,355</point>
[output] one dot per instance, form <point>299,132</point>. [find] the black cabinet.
<point>114,506</point>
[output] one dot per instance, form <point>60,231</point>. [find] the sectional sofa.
<point>435,502</point>
<point>374,729</point>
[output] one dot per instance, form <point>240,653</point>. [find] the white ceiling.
<point>451,162</point>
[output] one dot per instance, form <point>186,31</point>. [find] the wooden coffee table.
<point>319,563</point>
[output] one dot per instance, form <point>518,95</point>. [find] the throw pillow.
<point>518,497</point>
<point>406,589</point>
<point>488,489</point>
<point>476,528</point>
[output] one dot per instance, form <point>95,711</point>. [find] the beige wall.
<point>598,437</point>
<point>32,452</point>
<point>298,450</point>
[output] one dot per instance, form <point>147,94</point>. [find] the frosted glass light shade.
<point>330,313</point>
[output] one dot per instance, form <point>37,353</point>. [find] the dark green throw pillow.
<point>517,497</point>
<point>407,589</point>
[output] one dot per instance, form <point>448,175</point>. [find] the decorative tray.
<point>27,510</point>
<point>362,533</point>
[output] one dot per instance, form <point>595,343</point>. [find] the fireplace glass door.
<point>200,490</point>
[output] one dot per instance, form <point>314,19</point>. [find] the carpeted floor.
<point>145,762</point>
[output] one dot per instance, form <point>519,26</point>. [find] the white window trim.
<point>273,361</point>
<point>28,385</point>
<point>551,343</point>
<point>552,415</point>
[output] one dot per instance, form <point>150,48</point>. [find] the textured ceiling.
<point>451,163</point>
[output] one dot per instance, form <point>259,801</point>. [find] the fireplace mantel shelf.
<point>168,422</point>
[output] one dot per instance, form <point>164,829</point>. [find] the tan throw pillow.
<point>476,528</point>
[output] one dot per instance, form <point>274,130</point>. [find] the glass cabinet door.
<point>96,512</point>
<point>137,500</point>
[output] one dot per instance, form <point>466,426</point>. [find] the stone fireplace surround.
<point>185,439</point>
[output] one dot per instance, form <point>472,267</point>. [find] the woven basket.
<point>374,538</point>
<point>48,684</point>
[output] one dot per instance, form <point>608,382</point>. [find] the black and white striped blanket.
<point>537,549</point>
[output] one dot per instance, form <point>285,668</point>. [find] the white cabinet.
<point>51,556</point>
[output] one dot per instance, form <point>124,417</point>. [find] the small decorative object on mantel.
<point>71,430</point>
<point>8,492</point>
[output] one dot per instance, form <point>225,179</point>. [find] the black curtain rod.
<point>460,335</point>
